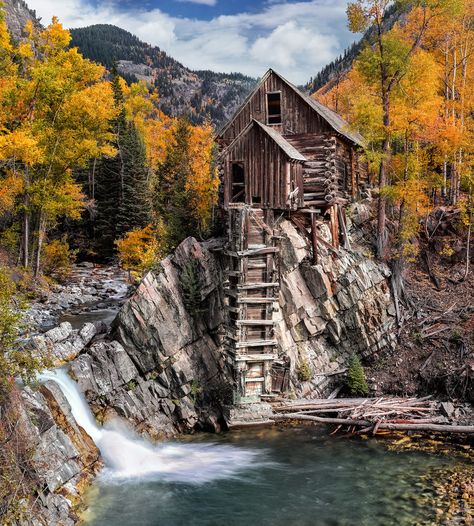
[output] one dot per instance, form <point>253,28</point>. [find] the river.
<point>301,477</point>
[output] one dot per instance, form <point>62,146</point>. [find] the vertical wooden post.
<point>314,239</point>
<point>343,224</point>
<point>354,185</point>
<point>334,226</point>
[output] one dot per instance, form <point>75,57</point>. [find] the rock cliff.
<point>167,369</point>
<point>56,457</point>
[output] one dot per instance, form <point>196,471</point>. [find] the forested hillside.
<point>336,70</point>
<point>409,93</point>
<point>197,94</point>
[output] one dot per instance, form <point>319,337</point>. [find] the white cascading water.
<point>128,456</point>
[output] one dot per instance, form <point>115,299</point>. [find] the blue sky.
<point>295,37</point>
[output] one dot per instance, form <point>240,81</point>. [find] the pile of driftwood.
<point>371,414</point>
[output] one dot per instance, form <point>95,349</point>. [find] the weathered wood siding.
<point>269,174</point>
<point>297,116</point>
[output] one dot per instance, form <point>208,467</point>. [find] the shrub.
<point>58,258</point>
<point>356,377</point>
<point>139,250</point>
<point>14,361</point>
<point>304,371</point>
<point>191,286</point>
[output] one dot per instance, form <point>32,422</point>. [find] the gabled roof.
<point>289,150</point>
<point>332,118</point>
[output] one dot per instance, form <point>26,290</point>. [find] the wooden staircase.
<point>252,289</point>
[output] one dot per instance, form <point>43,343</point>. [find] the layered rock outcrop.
<point>167,368</point>
<point>65,458</point>
<point>330,310</point>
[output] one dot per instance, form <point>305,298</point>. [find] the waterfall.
<point>129,456</point>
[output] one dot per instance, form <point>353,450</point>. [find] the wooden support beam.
<point>256,343</point>
<point>255,323</point>
<point>314,238</point>
<point>334,223</point>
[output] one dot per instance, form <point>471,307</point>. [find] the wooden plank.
<point>256,343</point>
<point>255,286</point>
<point>256,323</point>
<point>255,301</point>
<point>255,357</point>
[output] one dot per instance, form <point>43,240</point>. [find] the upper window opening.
<point>274,108</point>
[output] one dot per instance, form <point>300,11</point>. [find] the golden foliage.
<point>203,182</point>
<point>140,249</point>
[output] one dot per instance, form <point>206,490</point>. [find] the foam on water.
<point>127,456</point>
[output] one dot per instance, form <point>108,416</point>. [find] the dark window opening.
<point>274,108</point>
<point>238,183</point>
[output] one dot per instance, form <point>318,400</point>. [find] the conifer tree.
<point>134,210</point>
<point>173,201</point>
<point>110,175</point>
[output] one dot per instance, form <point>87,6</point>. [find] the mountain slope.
<point>199,94</point>
<point>18,14</point>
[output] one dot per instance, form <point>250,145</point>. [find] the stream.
<point>298,476</point>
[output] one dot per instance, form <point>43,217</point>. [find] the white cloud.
<point>296,39</point>
<point>203,2</point>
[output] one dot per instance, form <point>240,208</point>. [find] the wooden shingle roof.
<point>290,151</point>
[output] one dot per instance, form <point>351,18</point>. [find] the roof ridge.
<point>330,116</point>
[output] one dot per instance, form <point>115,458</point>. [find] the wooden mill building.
<point>283,153</point>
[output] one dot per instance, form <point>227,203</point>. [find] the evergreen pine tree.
<point>110,178</point>
<point>134,210</point>
<point>356,377</point>
<point>172,200</point>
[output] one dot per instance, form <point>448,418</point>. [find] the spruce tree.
<point>172,200</point>
<point>134,210</point>
<point>356,377</point>
<point>110,178</point>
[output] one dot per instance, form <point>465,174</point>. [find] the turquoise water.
<point>297,477</point>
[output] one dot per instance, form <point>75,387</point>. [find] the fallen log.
<point>439,428</point>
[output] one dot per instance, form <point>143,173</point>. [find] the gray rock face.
<point>330,310</point>
<point>64,455</point>
<point>63,343</point>
<point>18,15</point>
<point>167,369</point>
<point>164,363</point>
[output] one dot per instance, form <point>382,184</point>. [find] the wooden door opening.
<point>238,183</point>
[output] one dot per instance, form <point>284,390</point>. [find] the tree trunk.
<point>41,236</point>
<point>468,247</point>
<point>26,223</point>
<point>382,206</point>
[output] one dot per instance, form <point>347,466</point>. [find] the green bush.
<point>191,286</point>
<point>304,371</point>
<point>356,377</point>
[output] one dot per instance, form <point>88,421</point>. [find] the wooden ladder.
<point>252,290</point>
